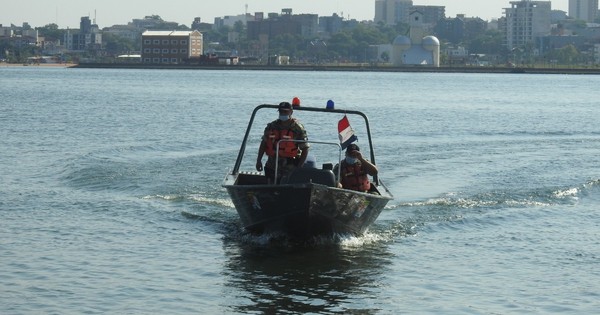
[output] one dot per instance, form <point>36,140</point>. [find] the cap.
<point>284,105</point>
<point>352,147</point>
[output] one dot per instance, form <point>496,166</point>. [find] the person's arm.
<point>261,149</point>
<point>261,152</point>
<point>369,167</point>
<point>338,180</point>
<point>304,146</point>
<point>303,156</point>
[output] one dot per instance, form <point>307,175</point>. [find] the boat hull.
<point>305,210</point>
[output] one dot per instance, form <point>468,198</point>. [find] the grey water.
<point>110,196</point>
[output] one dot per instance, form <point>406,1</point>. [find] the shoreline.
<point>43,65</point>
<point>354,68</point>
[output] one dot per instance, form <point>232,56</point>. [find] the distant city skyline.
<point>67,13</point>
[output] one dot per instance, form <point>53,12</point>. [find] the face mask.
<point>284,117</point>
<point>351,160</point>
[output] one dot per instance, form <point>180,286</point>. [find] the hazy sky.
<point>67,13</point>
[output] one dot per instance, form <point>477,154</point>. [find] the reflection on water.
<point>320,278</point>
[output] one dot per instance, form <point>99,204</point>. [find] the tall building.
<point>391,12</point>
<point>431,13</point>
<point>89,36</point>
<point>526,21</point>
<point>306,25</point>
<point>586,10</point>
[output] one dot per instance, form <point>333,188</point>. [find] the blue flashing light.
<point>330,104</point>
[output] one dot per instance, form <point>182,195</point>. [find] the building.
<point>526,22</point>
<point>153,22</point>
<point>171,47</point>
<point>392,12</point>
<point>6,31</point>
<point>460,28</point>
<point>305,25</point>
<point>231,20</point>
<point>17,37</point>
<point>88,38</point>
<point>586,10</point>
<point>431,13</point>
<point>419,48</point>
<point>330,24</point>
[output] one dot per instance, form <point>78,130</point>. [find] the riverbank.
<point>367,68</point>
<point>49,65</point>
<point>442,69</point>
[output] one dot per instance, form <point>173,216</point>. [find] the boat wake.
<point>283,240</point>
<point>195,197</point>
<point>506,199</point>
<point>404,219</point>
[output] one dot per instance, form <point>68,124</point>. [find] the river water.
<point>110,196</point>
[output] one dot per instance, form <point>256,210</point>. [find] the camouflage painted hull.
<point>304,210</point>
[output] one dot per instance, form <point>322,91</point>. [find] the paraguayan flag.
<point>345,132</point>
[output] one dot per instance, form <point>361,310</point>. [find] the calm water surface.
<point>110,197</point>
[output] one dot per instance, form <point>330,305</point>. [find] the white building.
<point>586,10</point>
<point>526,21</point>
<point>419,48</point>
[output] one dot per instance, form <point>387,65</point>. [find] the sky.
<point>67,13</point>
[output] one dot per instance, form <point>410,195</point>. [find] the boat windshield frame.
<point>240,156</point>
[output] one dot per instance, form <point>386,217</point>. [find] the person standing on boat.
<point>355,170</point>
<point>291,154</point>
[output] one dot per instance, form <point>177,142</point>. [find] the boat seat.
<point>310,175</point>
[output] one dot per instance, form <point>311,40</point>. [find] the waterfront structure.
<point>417,49</point>
<point>586,10</point>
<point>171,47</point>
<point>526,22</point>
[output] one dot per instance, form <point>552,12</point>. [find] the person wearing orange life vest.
<point>291,154</point>
<point>354,170</point>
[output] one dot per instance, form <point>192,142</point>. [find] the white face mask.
<point>284,117</point>
<point>351,160</point>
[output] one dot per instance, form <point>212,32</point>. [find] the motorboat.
<point>307,201</point>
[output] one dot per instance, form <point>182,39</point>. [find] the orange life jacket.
<point>287,149</point>
<point>353,177</point>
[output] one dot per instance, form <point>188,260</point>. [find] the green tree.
<point>51,32</point>
<point>115,45</point>
<point>341,45</point>
<point>488,43</point>
<point>287,44</point>
<point>567,55</point>
<point>354,44</point>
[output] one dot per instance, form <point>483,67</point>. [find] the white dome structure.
<point>431,43</point>
<point>416,49</point>
<point>402,42</point>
